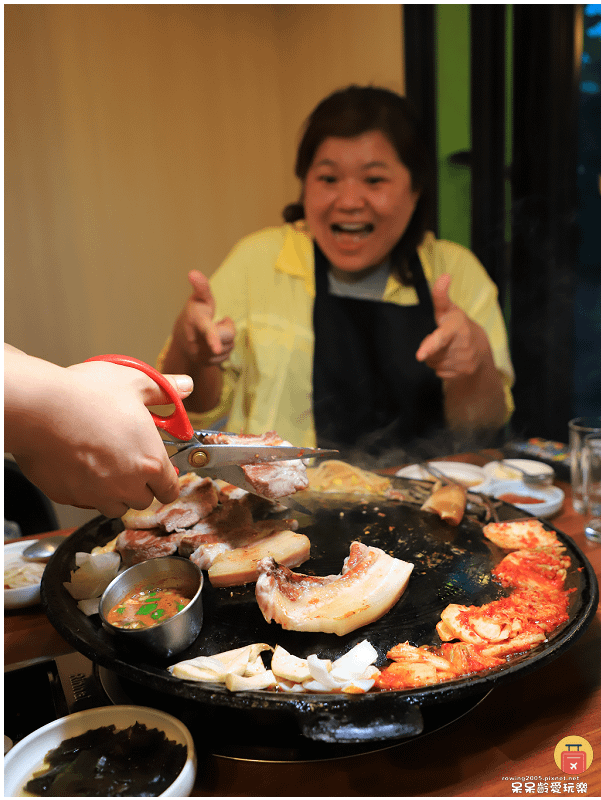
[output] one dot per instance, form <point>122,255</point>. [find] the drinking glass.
<point>578,429</point>
<point>591,476</point>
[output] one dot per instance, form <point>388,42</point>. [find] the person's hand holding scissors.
<point>84,435</point>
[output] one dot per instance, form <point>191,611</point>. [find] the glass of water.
<point>591,480</point>
<point>579,428</point>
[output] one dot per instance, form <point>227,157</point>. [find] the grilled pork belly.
<point>136,546</point>
<point>241,565</point>
<point>277,479</point>
<point>260,507</point>
<point>197,498</point>
<point>229,526</point>
<point>370,583</point>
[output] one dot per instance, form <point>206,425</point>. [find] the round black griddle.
<point>451,565</point>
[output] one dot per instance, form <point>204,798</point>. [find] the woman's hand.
<point>204,341</point>
<point>459,352</point>
<point>84,434</point>
<point>459,345</point>
<point>199,345</point>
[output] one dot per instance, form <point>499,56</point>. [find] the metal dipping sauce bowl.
<point>175,634</point>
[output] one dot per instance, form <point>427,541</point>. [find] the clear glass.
<point>578,429</point>
<point>591,477</point>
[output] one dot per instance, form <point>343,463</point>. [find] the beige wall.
<point>144,140</point>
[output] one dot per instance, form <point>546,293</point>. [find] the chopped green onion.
<point>147,608</point>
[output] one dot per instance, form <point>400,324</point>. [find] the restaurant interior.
<point>143,141</point>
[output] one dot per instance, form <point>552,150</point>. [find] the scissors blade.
<point>234,474</point>
<point>195,455</point>
<point>223,462</point>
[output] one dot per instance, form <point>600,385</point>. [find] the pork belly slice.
<point>448,502</point>
<point>224,518</point>
<point>136,545</point>
<point>273,480</point>
<point>198,497</point>
<point>260,507</point>
<point>204,548</point>
<point>370,583</point>
<point>241,565</point>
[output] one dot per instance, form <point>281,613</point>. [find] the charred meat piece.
<point>136,546</point>
<point>260,507</point>
<point>198,497</point>
<point>228,527</point>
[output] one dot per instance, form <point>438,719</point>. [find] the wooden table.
<point>504,747</point>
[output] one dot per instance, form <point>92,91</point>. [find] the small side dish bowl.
<point>175,633</point>
<point>27,757</point>
<point>29,593</point>
<point>541,502</point>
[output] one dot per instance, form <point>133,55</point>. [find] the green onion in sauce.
<point>146,606</point>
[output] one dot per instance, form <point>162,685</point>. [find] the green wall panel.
<point>453,129</point>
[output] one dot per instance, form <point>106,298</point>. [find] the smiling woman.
<point>357,188</point>
<point>351,326</point>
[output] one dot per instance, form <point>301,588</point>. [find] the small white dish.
<point>551,497</point>
<point>22,596</point>
<point>502,470</point>
<point>467,474</point>
<point>28,755</point>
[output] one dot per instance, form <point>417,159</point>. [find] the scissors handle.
<point>177,423</point>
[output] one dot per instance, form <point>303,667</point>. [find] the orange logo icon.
<point>573,755</point>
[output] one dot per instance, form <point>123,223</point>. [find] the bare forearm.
<point>26,394</point>
<point>475,402</point>
<point>208,380</point>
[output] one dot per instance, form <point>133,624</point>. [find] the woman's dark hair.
<point>355,110</point>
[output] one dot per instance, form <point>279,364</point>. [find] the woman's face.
<point>358,200</point>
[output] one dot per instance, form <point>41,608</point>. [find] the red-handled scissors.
<point>220,460</point>
<point>175,424</point>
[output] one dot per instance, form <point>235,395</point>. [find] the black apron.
<point>370,393</point>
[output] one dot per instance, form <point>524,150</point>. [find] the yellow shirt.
<point>267,286</point>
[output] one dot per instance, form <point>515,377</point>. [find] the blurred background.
<point>142,141</point>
